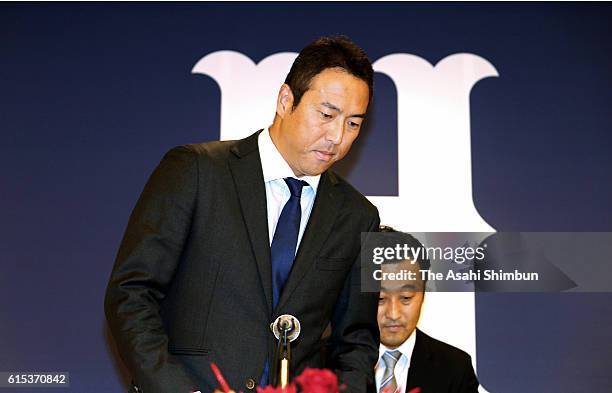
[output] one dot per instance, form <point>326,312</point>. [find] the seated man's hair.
<point>391,238</point>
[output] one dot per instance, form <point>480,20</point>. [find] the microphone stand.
<point>282,357</point>
<point>286,328</point>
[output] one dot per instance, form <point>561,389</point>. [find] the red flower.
<point>314,380</point>
<point>269,389</point>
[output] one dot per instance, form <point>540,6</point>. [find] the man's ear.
<point>284,102</point>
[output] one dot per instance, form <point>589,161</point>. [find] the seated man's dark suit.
<point>436,367</point>
<point>192,280</point>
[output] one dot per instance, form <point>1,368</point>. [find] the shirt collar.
<point>273,164</point>
<point>405,349</point>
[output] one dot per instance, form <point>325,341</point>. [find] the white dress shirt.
<point>275,169</point>
<point>402,365</point>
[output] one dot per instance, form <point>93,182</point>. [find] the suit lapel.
<point>421,369</point>
<point>324,211</point>
<point>245,165</point>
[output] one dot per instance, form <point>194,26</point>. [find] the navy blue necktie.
<point>285,238</point>
<point>284,244</point>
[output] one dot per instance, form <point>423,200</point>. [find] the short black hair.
<point>328,52</point>
<point>393,237</point>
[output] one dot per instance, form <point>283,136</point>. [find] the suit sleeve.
<point>147,259</point>
<point>354,340</point>
<point>469,382</point>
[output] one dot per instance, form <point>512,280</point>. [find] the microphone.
<point>286,329</point>
<point>286,323</point>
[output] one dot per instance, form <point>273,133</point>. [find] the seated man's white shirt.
<point>402,365</point>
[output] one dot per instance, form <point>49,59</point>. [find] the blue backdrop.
<point>92,95</point>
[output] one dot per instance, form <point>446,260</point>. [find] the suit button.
<point>250,383</point>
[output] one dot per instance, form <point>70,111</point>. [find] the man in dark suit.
<point>409,358</point>
<point>227,236</point>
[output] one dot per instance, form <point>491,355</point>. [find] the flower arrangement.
<point>312,380</point>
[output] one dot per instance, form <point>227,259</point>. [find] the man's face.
<point>399,305</point>
<point>322,128</point>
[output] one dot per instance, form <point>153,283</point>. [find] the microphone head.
<point>286,322</point>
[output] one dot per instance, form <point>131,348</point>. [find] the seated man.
<point>408,358</point>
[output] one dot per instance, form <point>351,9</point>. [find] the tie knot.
<point>390,358</point>
<point>295,186</point>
